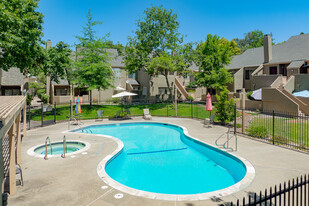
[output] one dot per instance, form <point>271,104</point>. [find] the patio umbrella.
<point>124,94</point>
<point>119,88</point>
<point>208,103</point>
<point>78,109</point>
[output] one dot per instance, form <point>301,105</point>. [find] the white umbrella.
<point>124,94</point>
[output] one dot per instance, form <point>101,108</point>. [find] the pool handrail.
<point>229,136</point>
<point>51,148</point>
<point>64,146</point>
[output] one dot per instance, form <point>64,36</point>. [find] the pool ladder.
<point>64,146</point>
<point>225,145</point>
<point>51,148</point>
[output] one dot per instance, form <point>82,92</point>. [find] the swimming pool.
<point>163,158</point>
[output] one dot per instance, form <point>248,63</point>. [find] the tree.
<point>224,107</point>
<point>211,57</point>
<point>252,39</point>
<point>58,64</point>
<point>20,35</point>
<point>92,67</point>
<point>155,44</point>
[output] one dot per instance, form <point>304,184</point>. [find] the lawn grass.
<point>89,112</point>
<point>287,130</point>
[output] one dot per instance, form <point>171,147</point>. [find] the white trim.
<point>246,181</point>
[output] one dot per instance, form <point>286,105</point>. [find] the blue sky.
<point>230,19</point>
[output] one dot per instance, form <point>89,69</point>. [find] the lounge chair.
<point>99,115</point>
<point>147,115</point>
<point>209,121</point>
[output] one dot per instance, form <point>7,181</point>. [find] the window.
<point>117,74</point>
<point>211,91</point>
<point>62,91</point>
<point>162,90</point>
<point>10,90</point>
<point>273,70</point>
<point>247,74</point>
<point>132,76</point>
<point>80,91</point>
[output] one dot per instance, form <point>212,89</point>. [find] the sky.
<point>64,19</point>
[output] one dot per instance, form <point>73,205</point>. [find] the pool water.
<point>160,158</point>
<point>57,148</point>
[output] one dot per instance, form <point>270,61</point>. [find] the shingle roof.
<point>116,60</point>
<point>296,64</point>
<point>295,48</point>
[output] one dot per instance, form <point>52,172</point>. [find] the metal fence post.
<point>235,118</point>
<point>191,110</point>
<point>29,115</point>
<point>273,127</point>
<point>41,114</point>
<point>71,110</point>
<point>55,112</point>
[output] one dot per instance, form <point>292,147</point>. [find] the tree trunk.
<point>168,86</point>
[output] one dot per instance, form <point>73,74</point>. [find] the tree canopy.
<point>252,39</point>
<point>59,63</point>
<point>156,45</point>
<point>92,67</point>
<point>211,57</point>
<point>20,35</point>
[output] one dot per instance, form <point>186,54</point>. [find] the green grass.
<point>89,112</point>
<point>287,130</point>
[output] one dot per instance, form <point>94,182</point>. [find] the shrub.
<point>44,98</point>
<point>116,100</point>
<point>29,99</point>
<point>249,95</point>
<point>238,125</point>
<point>225,108</point>
<point>190,98</point>
<point>258,131</point>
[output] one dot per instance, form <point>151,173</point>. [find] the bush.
<point>249,95</point>
<point>29,99</point>
<point>44,98</point>
<point>190,98</point>
<point>258,131</point>
<point>116,100</point>
<point>225,108</point>
<point>238,125</point>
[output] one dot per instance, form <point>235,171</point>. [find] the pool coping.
<point>246,181</point>
<point>31,152</point>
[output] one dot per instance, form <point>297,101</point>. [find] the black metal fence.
<point>291,193</point>
<point>280,128</point>
<point>43,115</point>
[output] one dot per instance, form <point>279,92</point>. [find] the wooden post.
<point>25,121</point>
<point>243,106</point>
<point>18,140</point>
<point>12,175</point>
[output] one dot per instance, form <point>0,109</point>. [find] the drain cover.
<point>104,187</point>
<point>118,195</point>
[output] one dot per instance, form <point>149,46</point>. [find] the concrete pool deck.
<point>74,180</point>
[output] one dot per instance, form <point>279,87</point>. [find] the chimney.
<point>268,48</point>
<point>48,44</point>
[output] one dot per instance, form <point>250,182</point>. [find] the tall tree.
<point>211,57</point>
<point>20,35</point>
<point>59,63</point>
<point>252,39</point>
<point>155,44</point>
<point>92,67</point>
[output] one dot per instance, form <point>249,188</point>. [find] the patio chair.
<point>210,121</point>
<point>147,115</point>
<point>99,115</point>
<point>127,112</point>
<point>118,114</point>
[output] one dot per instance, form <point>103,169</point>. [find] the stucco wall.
<point>253,105</point>
<point>248,82</point>
<point>301,82</point>
<point>238,80</point>
<point>263,81</point>
<point>290,84</point>
<point>304,99</point>
<point>275,100</point>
